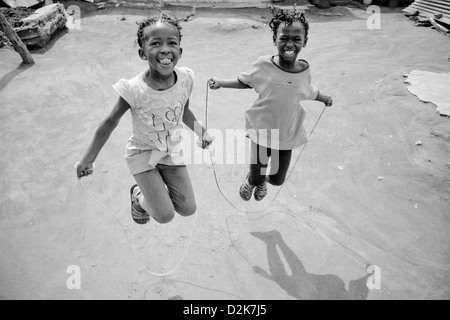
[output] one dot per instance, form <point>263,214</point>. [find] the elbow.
<point>242,85</point>
<point>110,122</point>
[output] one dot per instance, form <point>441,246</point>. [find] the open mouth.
<point>165,62</point>
<point>289,53</point>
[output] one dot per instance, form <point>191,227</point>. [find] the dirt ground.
<point>364,204</point>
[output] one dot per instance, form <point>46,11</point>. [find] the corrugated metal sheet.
<point>22,3</point>
<point>431,8</point>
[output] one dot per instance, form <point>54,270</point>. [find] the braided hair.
<point>152,20</point>
<point>288,17</point>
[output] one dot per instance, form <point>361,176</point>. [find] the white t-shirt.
<point>156,115</point>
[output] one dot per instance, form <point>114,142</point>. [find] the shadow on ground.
<point>6,79</point>
<point>302,284</point>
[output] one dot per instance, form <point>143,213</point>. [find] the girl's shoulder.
<point>129,84</point>
<point>183,70</point>
<point>133,81</point>
<point>264,59</point>
<point>303,64</point>
<point>262,62</point>
<point>186,76</point>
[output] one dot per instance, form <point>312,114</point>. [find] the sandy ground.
<point>361,194</point>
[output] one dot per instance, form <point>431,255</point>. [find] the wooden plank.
<point>15,40</point>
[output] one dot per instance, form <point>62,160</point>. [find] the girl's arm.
<point>216,83</point>
<point>192,123</point>
<point>102,134</point>
<point>325,99</point>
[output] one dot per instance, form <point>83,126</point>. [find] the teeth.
<point>166,61</point>
<point>290,53</point>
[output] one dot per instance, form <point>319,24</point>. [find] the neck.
<point>286,65</point>
<point>159,82</point>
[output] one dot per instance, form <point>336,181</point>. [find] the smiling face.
<point>290,40</point>
<point>161,48</point>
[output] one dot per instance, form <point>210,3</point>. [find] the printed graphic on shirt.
<point>287,84</point>
<point>174,113</point>
<point>156,115</point>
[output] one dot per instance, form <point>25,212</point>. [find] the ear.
<point>181,52</point>
<point>142,54</point>
<point>304,43</point>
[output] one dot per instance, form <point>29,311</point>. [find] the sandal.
<point>260,191</point>
<point>138,214</point>
<point>246,190</point>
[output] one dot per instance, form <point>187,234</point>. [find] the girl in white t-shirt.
<point>275,121</point>
<point>158,100</point>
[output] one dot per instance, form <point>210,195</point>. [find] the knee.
<point>186,209</point>
<point>185,206</point>
<point>276,182</point>
<point>164,217</point>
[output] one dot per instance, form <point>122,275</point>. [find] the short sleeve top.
<point>156,115</point>
<point>276,118</point>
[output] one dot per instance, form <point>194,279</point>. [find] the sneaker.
<point>260,191</point>
<point>246,190</point>
<point>138,214</point>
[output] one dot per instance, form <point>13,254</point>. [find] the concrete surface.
<point>362,193</point>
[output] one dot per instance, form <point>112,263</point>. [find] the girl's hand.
<point>214,83</point>
<point>325,99</point>
<point>84,169</point>
<point>206,141</point>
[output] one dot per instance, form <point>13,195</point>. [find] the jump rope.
<point>196,215</point>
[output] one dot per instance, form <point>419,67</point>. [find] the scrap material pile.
<point>37,29</point>
<point>430,13</point>
<point>13,16</point>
